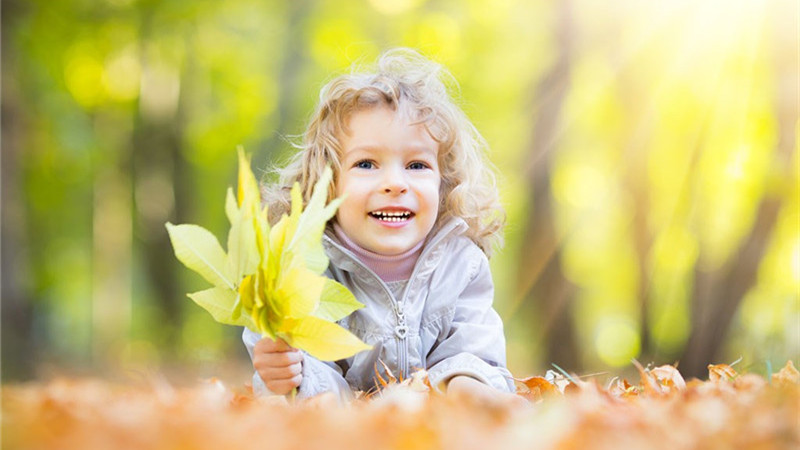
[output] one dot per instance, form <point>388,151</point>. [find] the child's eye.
<point>417,165</point>
<point>364,164</point>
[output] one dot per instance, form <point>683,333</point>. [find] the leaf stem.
<point>564,372</point>
<point>769,371</point>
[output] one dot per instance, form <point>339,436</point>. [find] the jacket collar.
<point>344,259</point>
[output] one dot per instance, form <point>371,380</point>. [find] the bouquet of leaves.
<point>271,281</point>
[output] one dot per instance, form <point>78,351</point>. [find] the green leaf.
<point>221,303</point>
<point>336,302</point>
<point>200,251</point>
<point>323,340</point>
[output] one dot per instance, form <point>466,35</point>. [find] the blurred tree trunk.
<point>19,354</point>
<point>636,184</point>
<point>293,62</point>
<point>642,241</point>
<point>548,295</point>
<point>157,153</point>
<point>717,295</point>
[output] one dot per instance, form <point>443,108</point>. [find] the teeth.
<point>391,216</point>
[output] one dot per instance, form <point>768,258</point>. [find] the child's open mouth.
<point>392,216</point>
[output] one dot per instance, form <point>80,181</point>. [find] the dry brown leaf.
<point>536,388</point>
<point>787,376</point>
<point>92,414</point>
<point>650,384</point>
<point>668,378</point>
<point>721,372</point>
<point>622,388</point>
<point>419,381</point>
<point>558,379</point>
<point>539,383</point>
<point>749,382</point>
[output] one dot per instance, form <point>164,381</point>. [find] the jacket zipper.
<point>401,320</point>
<point>401,329</point>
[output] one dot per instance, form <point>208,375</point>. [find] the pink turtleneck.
<point>388,268</point>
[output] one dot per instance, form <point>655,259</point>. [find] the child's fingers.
<point>281,373</point>
<point>276,359</point>
<point>283,387</point>
<point>268,345</point>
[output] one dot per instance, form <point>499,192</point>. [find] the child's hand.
<point>279,365</point>
<point>470,388</point>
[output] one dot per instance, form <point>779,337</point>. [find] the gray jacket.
<point>444,322</point>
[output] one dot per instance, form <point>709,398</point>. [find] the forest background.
<point>647,153</point>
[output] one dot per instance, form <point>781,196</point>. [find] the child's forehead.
<point>396,112</point>
<point>376,124</point>
<point>384,114</point>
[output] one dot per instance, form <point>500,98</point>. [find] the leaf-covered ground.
<point>660,410</point>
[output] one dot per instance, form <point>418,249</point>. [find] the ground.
<point>662,410</point>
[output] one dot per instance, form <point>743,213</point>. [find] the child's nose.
<point>394,182</point>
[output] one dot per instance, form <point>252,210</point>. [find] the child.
<point>410,240</point>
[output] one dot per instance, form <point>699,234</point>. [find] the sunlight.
<point>617,341</point>
<point>646,153</point>
<point>336,44</point>
<point>83,75</point>
<point>392,7</point>
<point>438,34</point>
<point>160,89</point>
<point>121,75</point>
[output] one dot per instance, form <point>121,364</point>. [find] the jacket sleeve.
<point>318,376</point>
<point>473,344</point>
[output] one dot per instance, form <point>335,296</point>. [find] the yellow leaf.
<point>282,232</point>
<point>336,302</point>
<point>298,291</point>
<point>247,292</point>
<point>260,300</point>
<point>243,255</point>
<point>307,237</point>
<point>221,302</point>
<point>323,340</point>
<point>270,280</point>
<point>277,236</point>
<point>231,208</point>
<point>248,186</point>
<point>200,251</point>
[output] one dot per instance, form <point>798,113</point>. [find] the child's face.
<point>390,174</point>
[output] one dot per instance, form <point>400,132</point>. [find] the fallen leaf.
<point>668,377</point>
<point>537,388</point>
<point>787,376</point>
<point>721,372</point>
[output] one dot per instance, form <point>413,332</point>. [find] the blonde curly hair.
<point>409,83</point>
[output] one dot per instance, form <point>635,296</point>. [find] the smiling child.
<point>411,239</point>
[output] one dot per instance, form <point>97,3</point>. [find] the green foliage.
<point>675,125</point>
